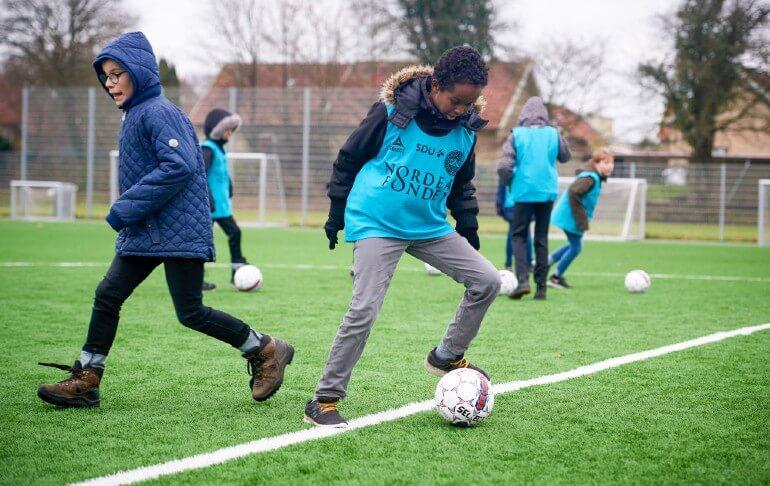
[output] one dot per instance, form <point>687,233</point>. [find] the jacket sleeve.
<point>361,146</point>
<point>176,152</point>
<point>564,154</point>
<point>507,160</point>
<point>500,199</point>
<point>462,202</point>
<point>208,159</point>
<point>577,190</point>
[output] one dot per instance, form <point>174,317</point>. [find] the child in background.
<point>531,151</point>
<point>409,160</point>
<point>218,127</point>
<point>575,210</point>
<point>162,216</point>
<point>504,205</point>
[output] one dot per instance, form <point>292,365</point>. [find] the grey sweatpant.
<point>374,262</point>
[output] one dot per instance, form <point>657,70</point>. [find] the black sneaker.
<point>540,292</point>
<point>324,414</point>
<point>557,282</point>
<point>208,286</point>
<point>437,366</point>
<point>522,290</point>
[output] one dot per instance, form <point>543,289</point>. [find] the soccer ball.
<point>508,282</point>
<point>637,281</point>
<point>431,270</point>
<point>464,397</point>
<point>248,278</point>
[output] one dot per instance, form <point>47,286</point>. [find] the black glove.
<point>472,235</point>
<point>332,227</point>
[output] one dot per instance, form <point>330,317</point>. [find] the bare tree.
<point>569,72</point>
<point>52,42</point>
<point>239,34</point>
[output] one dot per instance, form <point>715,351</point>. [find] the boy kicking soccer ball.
<point>162,216</point>
<point>575,210</point>
<point>409,159</point>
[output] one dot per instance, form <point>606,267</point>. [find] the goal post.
<point>621,212</point>
<point>259,193</point>
<point>763,216</point>
<point>43,200</point>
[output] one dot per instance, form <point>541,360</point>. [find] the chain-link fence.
<point>68,133</point>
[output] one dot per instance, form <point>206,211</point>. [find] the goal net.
<point>620,213</point>
<point>259,194</point>
<point>43,200</point>
<point>763,213</point>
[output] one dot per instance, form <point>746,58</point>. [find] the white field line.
<point>225,454</point>
<point>301,266</point>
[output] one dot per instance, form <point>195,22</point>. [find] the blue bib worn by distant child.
<point>536,178</point>
<point>218,179</point>
<point>562,216</point>
<point>402,192</point>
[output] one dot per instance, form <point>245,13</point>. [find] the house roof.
<point>10,102</point>
<point>358,82</point>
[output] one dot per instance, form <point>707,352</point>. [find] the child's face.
<point>228,133</point>
<point>117,81</point>
<point>605,166</point>
<point>455,101</point>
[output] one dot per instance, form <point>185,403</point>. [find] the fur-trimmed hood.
<point>404,90</point>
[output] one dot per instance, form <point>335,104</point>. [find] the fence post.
<point>90,153</point>
<point>24,123</point>
<point>305,154</point>
<point>233,107</point>
<point>722,199</point>
<point>632,170</point>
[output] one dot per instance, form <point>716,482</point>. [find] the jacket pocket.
<point>153,230</point>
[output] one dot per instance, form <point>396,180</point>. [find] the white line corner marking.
<point>225,454</point>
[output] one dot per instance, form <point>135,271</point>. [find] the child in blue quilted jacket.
<point>575,210</point>
<point>162,216</point>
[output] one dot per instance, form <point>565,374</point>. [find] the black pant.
<point>184,277</point>
<point>233,232</point>
<point>523,213</point>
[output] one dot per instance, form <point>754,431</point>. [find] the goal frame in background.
<point>637,198</point>
<point>762,209</point>
<point>266,161</point>
<point>64,200</point>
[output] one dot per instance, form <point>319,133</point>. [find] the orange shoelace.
<point>461,363</point>
<point>328,406</point>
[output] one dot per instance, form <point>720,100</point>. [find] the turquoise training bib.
<point>402,192</point>
<point>535,176</point>
<point>562,216</point>
<point>218,180</point>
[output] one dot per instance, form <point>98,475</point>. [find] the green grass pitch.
<point>697,416</point>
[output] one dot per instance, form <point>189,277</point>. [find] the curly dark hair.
<point>460,64</point>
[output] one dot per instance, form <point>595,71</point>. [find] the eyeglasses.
<point>113,77</point>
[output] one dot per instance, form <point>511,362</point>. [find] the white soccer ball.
<point>464,397</point>
<point>248,278</point>
<point>508,282</point>
<point>431,270</point>
<point>637,281</point>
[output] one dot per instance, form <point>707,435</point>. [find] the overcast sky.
<point>627,27</point>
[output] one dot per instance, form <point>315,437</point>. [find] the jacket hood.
<point>403,90</point>
<point>134,52</point>
<point>533,112</point>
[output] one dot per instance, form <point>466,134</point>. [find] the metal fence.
<point>68,133</point>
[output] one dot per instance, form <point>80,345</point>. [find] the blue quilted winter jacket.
<point>163,208</point>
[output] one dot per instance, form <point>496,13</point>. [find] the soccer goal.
<point>259,194</point>
<point>763,213</point>
<point>621,212</point>
<point>43,200</point>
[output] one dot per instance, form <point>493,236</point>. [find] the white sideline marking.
<point>225,454</point>
<point>303,266</point>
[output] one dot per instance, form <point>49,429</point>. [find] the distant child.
<point>531,152</point>
<point>408,160</point>
<point>504,205</point>
<point>162,216</point>
<point>575,210</point>
<point>218,127</point>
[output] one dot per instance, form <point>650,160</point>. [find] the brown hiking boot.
<point>267,366</point>
<point>80,390</point>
